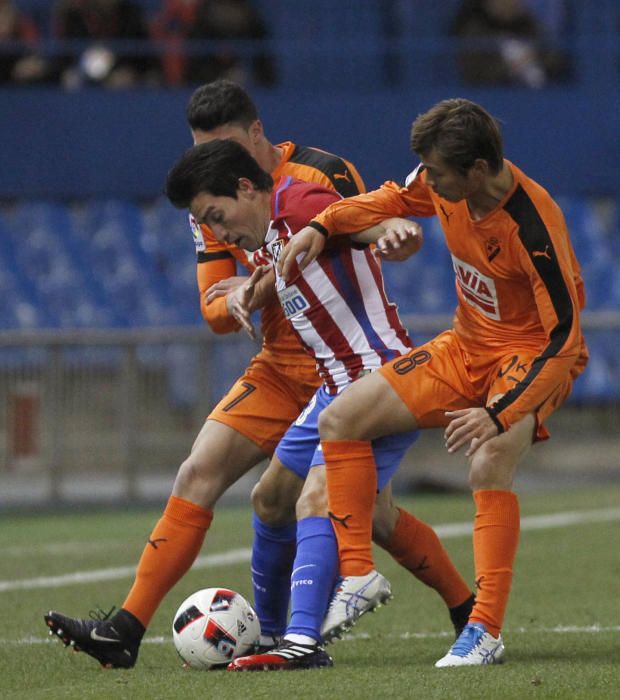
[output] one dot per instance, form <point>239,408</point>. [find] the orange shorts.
<point>264,402</point>
<point>442,376</point>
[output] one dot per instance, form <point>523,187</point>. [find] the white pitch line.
<point>238,556</point>
<point>363,636</point>
<point>234,556</point>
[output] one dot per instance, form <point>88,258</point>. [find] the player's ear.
<point>478,172</point>
<point>245,185</point>
<point>480,168</point>
<point>256,131</point>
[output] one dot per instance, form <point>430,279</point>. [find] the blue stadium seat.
<point>167,241</point>
<point>602,284</point>
<point>587,230</point>
<point>601,379</point>
<point>19,309</point>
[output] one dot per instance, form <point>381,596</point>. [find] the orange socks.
<point>415,545</point>
<point>496,536</point>
<point>171,550</point>
<point>351,493</point>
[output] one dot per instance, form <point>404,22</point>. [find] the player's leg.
<point>244,428</point>
<point>219,457</point>
<point>312,579</point>
<point>414,390</point>
<point>273,548</point>
<point>171,549</point>
<point>496,536</point>
<point>497,521</point>
<point>368,409</point>
<point>416,547</point>
<point>316,559</point>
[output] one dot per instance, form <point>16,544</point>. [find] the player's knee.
<point>197,483</point>
<point>491,468</point>
<point>269,508</point>
<point>333,424</point>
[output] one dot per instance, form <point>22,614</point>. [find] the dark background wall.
<point>352,76</point>
<point>100,143</point>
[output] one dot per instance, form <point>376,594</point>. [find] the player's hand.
<point>473,425</point>
<point>401,240</point>
<point>309,243</point>
<point>238,301</point>
<point>223,287</point>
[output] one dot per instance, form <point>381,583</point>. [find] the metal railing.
<point>108,415</point>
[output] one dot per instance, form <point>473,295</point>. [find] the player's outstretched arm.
<point>308,243</point>
<point>397,239</point>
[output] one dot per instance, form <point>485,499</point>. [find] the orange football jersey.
<point>518,281</point>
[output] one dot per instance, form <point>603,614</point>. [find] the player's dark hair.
<point>214,167</point>
<point>218,103</point>
<point>460,131</point>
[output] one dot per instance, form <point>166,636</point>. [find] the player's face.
<point>232,132</point>
<point>447,182</point>
<point>242,222</point>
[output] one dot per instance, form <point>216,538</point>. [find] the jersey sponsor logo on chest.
<point>293,301</point>
<point>477,289</point>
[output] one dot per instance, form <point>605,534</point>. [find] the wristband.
<point>318,227</point>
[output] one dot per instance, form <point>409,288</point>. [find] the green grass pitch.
<point>562,627</point>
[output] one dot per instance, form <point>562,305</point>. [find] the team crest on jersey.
<point>493,248</point>
<point>293,301</point>
<point>477,289</point>
<point>197,234</point>
<point>275,248</point>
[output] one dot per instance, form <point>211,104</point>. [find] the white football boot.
<point>352,597</point>
<point>474,647</point>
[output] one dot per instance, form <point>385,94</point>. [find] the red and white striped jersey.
<point>337,305</point>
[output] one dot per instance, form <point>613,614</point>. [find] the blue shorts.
<point>300,449</point>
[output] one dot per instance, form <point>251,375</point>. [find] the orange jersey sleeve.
<point>517,279</point>
<point>216,261</point>
<point>366,210</point>
<point>216,313</point>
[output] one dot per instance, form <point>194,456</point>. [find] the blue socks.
<point>273,552</point>
<point>314,574</point>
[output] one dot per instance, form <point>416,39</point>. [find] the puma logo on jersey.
<point>342,176</point>
<point>542,253</point>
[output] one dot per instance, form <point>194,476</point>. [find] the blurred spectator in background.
<point>195,20</point>
<point>507,45</point>
<point>18,42</point>
<point>103,22</point>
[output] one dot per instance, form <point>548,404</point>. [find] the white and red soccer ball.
<point>214,626</point>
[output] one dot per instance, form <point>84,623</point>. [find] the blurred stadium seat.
<point>114,263</point>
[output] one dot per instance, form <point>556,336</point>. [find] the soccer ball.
<point>213,627</point>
